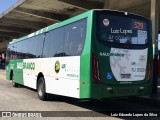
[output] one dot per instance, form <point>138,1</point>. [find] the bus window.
<point>39,45</point>
<point>32,47</point>
<point>54,41</point>
<point>124,31</point>
<point>74,38</point>
<point>25,48</point>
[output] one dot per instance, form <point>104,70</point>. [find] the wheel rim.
<point>13,83</point>
<point>13,80</point>
<point>40,89</point>
<point>12,77</point>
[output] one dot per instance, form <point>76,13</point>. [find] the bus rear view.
<point>98,54</point>
<point>121,55</point>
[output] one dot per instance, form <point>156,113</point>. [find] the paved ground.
<point>24,99</point>
<point>2,74</point>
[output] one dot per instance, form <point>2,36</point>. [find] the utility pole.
<point>155,24</point>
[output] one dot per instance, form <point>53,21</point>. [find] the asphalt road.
<point>25,99</point>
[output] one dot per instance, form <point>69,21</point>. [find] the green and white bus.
<point>98,54</point>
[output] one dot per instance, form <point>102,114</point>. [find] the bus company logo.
<point>106,22</point>
<point>29,65</point>
<point>111,54</point>
<point>26,65</point>
<point>57,66</point>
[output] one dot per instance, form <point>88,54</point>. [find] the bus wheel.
<point>13,83</point>
<point>41,89</point>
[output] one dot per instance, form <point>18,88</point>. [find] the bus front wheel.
<point>41,89</point>
<point>13,82</point>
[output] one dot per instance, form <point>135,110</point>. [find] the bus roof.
<point>54,26</point>
<point>63,23</point>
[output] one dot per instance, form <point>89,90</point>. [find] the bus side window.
<point>32,47</point>
<point>13,52</point>
<point>75,34</point>
<point>54,43</point>
<point>39,45</point>
<point>8,55</point>
<point>25,49</point>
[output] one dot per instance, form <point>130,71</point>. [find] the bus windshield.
<point>122,29</point>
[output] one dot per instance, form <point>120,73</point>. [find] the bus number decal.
<point>138,25</point>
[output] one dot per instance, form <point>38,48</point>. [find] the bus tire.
<point>13,82</point>
<point>41,89</point>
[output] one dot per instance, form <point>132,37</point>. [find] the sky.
<point>5,4</point>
